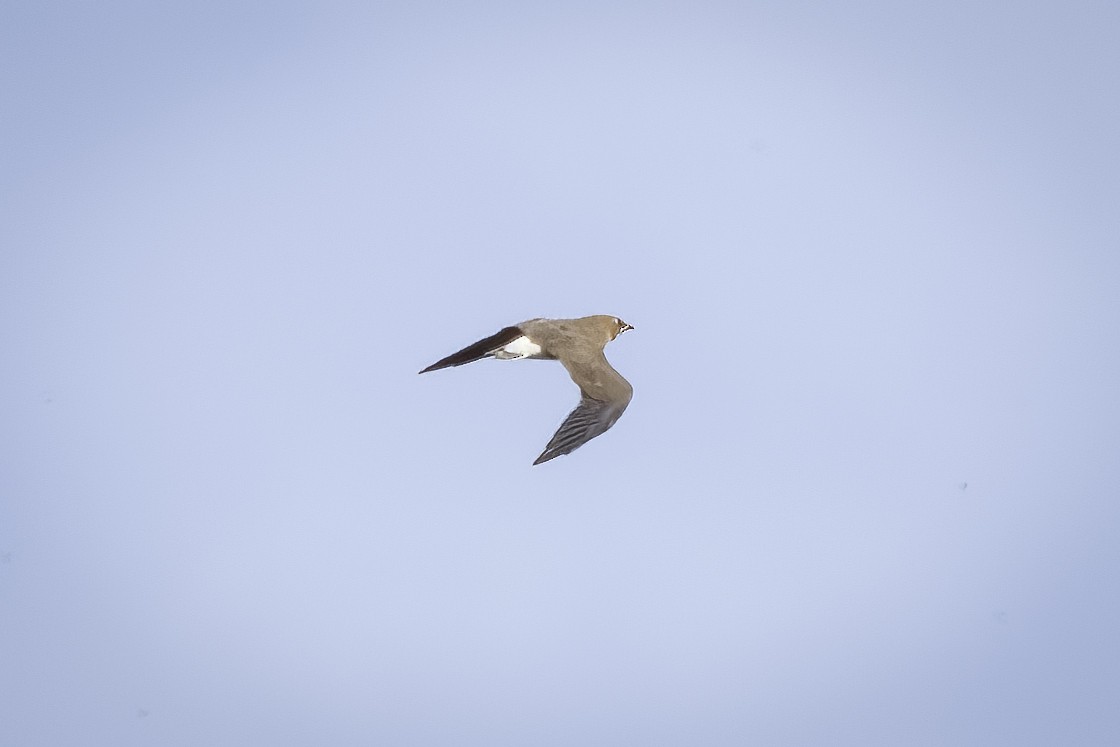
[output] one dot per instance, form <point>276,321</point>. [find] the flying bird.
<point>578,344</point>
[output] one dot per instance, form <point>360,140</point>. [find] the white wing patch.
<point>522,347</point>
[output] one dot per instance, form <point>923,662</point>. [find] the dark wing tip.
<point>444,363</point>
<point>590,419</point>
<point>436,366</point>
<point>545,456</point>
<point>480,349</point>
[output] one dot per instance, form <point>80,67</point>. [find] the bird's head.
<point>618,326</point>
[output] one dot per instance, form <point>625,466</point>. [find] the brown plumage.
<point>578,344</point>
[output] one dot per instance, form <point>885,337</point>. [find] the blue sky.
<point>866,492</point>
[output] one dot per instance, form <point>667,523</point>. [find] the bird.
<point>578,344</point>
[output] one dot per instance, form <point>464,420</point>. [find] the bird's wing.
<point>591,418</point>
<point>605,396</point>
<point>478,350</point>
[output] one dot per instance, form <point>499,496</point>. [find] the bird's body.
<point>578,344</point>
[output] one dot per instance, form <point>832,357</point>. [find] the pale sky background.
<point>868,490</point>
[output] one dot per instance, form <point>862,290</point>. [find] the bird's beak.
<point>625,327</point>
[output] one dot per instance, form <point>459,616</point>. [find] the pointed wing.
<point>590,419</point>
<point>478,350</point>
